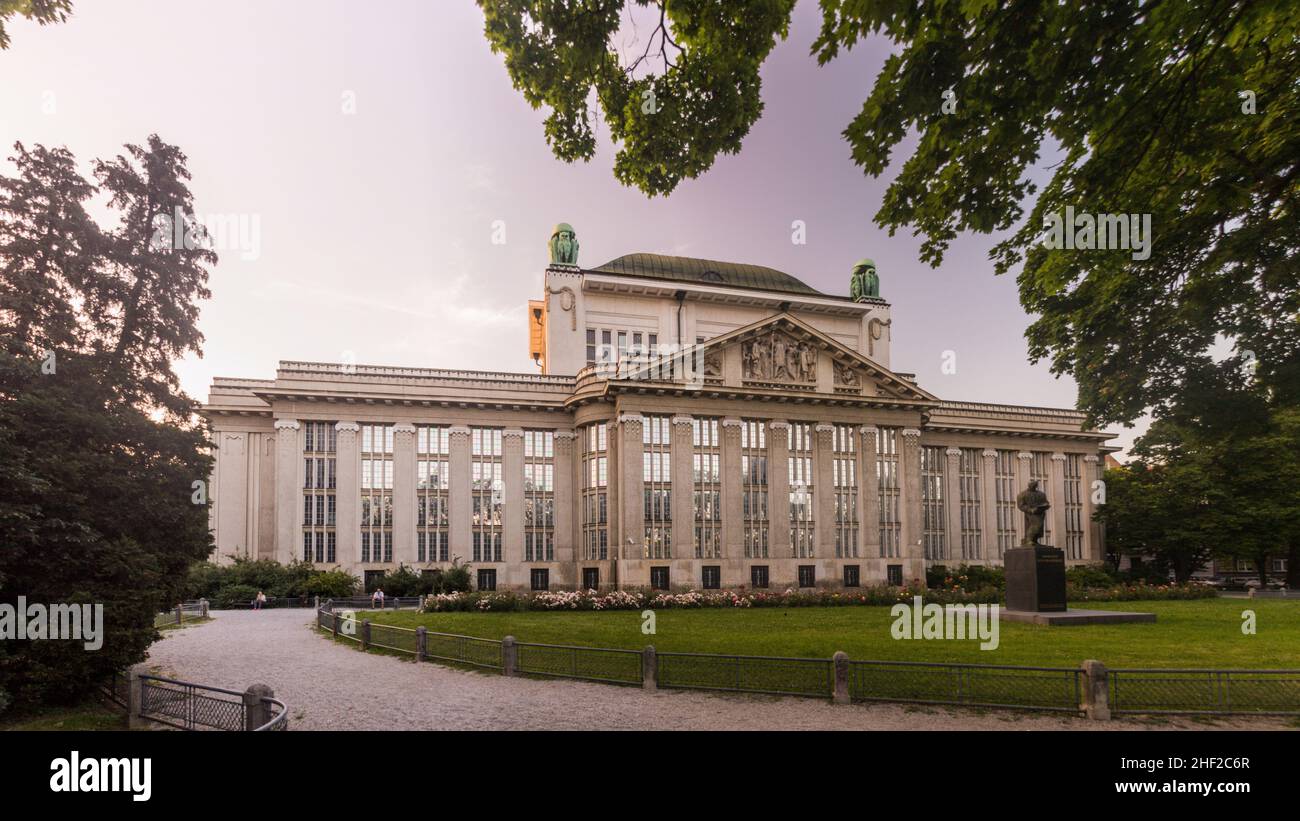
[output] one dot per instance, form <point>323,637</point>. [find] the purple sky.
<point>376,227</point>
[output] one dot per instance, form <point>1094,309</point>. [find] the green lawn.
<point>1202,633</point>
<point>90,715</point>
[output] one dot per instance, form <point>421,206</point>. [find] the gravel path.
<point>331,686</point>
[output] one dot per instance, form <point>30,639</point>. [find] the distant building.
<point>694,424</point>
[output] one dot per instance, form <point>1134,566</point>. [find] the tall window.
<point>539,496</point>
<point>1005,486</point>
<point>707,473</point>
<point>933,515</point>
<point>1039,468</point>
<point>376,493</point>
<point>656,463</point>
<point>753,484</point>
<point>845,468</point>
<point>802,445</point>
<point>1073,506</point>
<point>486,491</point>
<point>432,455</point>
<point>320,463</point>
<point>595,495</point>
<point>969,477</point>
<point>891,526</point>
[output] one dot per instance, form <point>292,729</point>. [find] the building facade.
<point>690,424</point>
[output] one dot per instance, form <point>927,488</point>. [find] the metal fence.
<point>746,674</point>
<point>188,706</point>
<point>969,685</point>
<point>1205,692</point>
<point>1060,689</point>
<point>367,603</point>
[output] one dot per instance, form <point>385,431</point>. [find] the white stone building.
<point>689,424</point>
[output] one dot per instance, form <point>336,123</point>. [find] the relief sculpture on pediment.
<point>846,377</point>
<point>776,357</point>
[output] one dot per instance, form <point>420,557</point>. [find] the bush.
<point>1091,575</point>
<point>235,595</point>
<point>456,579</point>
<point>296,579</point>
<point>332,584</point>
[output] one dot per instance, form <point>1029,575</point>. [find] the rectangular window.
<point>758,576</point>
<point>753,484</point>
<point>891,525</point>
<point>486,494</point>
<point>807,575</point>
<point>487,579</point>
<point>595,497</point>
<point>656,464</point>
<point>591,578</point>
<point>376,493</point>
<point>539,496</point>
<point>933,515</point>
<point>894,574</point>
<point>1005,486</point>
<point>845,469</point>
<point>971,523</point>
<point>659,578</point>
<point>432,481</point>
<point>540,578</point>
<point>711,576</point>
<point>1073,506</point>
<point>852,575</point>
<point>707,476</point>
<point>802,446</point>
<point>320,458</point>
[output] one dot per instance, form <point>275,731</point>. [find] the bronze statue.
<point>1033,503</point>
<point>864,283</point>
<point>564,245</point>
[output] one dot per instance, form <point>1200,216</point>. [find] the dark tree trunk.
<point>1293,564</point>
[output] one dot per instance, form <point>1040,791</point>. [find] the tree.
<point>99,501</point>
<point>1182,111</point>
<point>42,11</point>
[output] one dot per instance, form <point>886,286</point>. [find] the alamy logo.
<point>31,622</point>
<point>950,621</point>
<point>1102,232</point>
<point>77,774</point>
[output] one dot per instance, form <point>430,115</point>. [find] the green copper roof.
<point>705,271</point>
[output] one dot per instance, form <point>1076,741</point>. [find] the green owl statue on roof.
<point>564,245</point>
<point>863,283</point>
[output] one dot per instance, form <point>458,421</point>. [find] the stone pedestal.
<point>1035,579</point>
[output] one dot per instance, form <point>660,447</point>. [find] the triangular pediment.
<point>778,354</point>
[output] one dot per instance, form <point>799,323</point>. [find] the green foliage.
<point>966,577</point>
<point>211,581</point>
<point>42,11</point>
<point>670,125</point>
<point>455,579</point>
<point>1182,111</point>
<point>1090,575</point>
<point>235,595</point>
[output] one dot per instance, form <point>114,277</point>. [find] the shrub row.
<point>505,601</point>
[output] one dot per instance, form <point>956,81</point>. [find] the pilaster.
<point>288,491</point>
<point>952,505</point>
<point>989,504</point>
<point>1057,498</point>
<point>910,465</point>
<point>515,572</point>
<point>778,504</point>
<point>458,493</point>
<point>404,494</point>
<point>869,492</point>
<point>347,522</point>
<point>824,488</point>
<point>733,511</point>
<point>631,490</point>
<point>566,522</point>
<point>681,449</point>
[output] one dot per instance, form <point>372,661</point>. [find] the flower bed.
<point>694,599</point>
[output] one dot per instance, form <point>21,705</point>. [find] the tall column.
<point>952,504</point>
<point>733,510</point>
<point>404,493</point>
<point>566,523</point>
<point>347,521</point>
<point>824,525</point>
<point>989,504</point>
<point>778,503</point>
<point>632,493</point>
<point>869,492</point>
<point>683,499</point>
<point>910,464</point>
<point>458,493</point>
<point>1057,497</point>
<point>288,492</point>
<point>1093,547</point>
<point>515,573</point>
